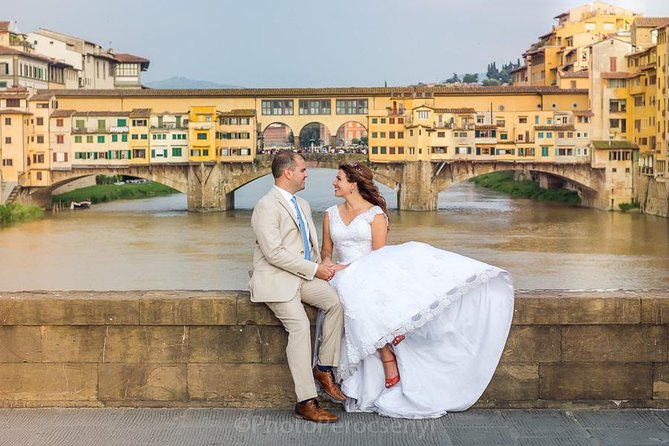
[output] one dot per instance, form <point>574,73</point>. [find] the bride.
<point>424,328</point>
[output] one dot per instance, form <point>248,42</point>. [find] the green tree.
<point>470,78</point>
<point>490,82</point>
<point>455,79</point>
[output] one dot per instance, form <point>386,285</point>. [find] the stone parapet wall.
<point>653,194</point>
<point>216,348</point>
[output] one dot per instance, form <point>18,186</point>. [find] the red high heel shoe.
<point>390,382</point>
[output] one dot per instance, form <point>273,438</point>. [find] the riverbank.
<point>109,192</point>
<point>15,213</point>
<point>505,182</point>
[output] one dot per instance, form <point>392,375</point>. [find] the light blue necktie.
<point>303,229</point>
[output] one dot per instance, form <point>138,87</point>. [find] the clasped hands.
<point>328,269</point>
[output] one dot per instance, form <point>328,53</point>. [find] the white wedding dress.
<point>454,311</point>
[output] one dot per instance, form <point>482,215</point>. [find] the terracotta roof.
<point>555,128</point>
<point>618,75</point>
<point>63,113</point>
<point>5,51</point>
<point>10,111</point>
<point>520,68</point>
<point>4,26</point>
<point>93,114</point>
<point>352,92</point>
<point>650,22</point>
<point>14,92</point>
<point>238,113</point>
<point>140,113</point>
<point>575,74</point>
<point>129,58</point>
<point>454,110</point>
<point>614,145</point>
<point>583,113</point>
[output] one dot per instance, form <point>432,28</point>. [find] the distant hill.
<point>185,83</point>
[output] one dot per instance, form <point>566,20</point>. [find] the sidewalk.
<point>214,427</point>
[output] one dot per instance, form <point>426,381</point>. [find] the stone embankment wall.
<point>653,194</point>
<point>167,349</point>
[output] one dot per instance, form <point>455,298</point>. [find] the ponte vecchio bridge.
<point>421,139</point>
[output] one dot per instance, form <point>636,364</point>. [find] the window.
<point>101,139</point>
<point>501,123</point>
<point>89,139</point>
<point>8,139</point>
<point>617,105</point>
<point>13,102</point>
<point>613,64</point>
<point>8,121</point>
<point>139,122</point>
<point>79,123</point>
<point>400,135</point>
<point>60,139</point>
<point>102,125</point>
<point>40,139</point>
<point>39,121</point>
<point>311,107</point>
<point>59,123</point>
<point>135,136</point>
<point>423,114</point>
<point>277,107</point>
<point>176,151</point>
<point>201,136</point>
<point>121,122</point>
<point>7,162</point>
<point>374,120</point>
<point>144,136</point>
<point>124,137</point>
<point>522,120</point>
<point>77,139</point>
<point>351,106</point>
<point>544,150</point>
<point>617,83</point>
<point>114,138</point>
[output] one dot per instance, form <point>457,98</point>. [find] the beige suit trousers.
<point>320,294</point>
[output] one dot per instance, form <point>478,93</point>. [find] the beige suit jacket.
<point>279,267</point>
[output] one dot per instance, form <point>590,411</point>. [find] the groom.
<point>287,273</point>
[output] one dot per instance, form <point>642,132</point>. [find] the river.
<point>156,244</point>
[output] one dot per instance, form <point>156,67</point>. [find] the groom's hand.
<point>325,271</point>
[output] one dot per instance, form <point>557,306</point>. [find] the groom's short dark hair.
<point>282,161</point>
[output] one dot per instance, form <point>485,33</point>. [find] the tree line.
<point>494,75</point>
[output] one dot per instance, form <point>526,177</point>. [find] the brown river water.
<point>156,244</point>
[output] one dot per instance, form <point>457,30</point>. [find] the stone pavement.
<point>214,427</point>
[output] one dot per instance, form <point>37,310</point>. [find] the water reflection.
<point>157,244</point>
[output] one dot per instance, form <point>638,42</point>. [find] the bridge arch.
<point>277,135</point>
<point>314,134</point>
<point>349,132</point>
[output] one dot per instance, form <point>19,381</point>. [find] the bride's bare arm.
<point>379,231</point>
<point>326,249</point>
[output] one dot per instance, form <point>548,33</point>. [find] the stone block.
<point>147,344</point>
<point>558,308</point>
<point>48,382</point>
<point>274,342</point>
<point>73,343</point>
<point>225,344</point>
<point>614,343</point>
<point>69,308</point>
<point>655,308</point>
<point>513,382</point>
<point>241,383</point>
<point>661,382</point>
<point>532,344</point>
<point>142,382</point>
<point>188,308</point>
<point>20,344</point>
<point>595,381</point>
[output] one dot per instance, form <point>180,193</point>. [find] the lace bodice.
<point>354,240</point>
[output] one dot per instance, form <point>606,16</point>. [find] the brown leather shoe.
<point>312,411</point>
<point>327,382</point>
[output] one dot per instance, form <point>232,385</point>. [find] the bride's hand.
<point>338,267</point>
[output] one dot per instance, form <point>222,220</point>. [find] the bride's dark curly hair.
<point>361,175</point>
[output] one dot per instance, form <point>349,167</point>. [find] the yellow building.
<point>565,48</point>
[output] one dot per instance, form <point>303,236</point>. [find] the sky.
<point>308,43</point>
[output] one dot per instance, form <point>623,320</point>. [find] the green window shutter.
<point>129,154</point>
<point>153,153</point>
<point>114,138</point>
<point>124,137</point>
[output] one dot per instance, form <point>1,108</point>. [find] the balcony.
<point>116,129</point>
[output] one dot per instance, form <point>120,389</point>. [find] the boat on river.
<point>80,204</point>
